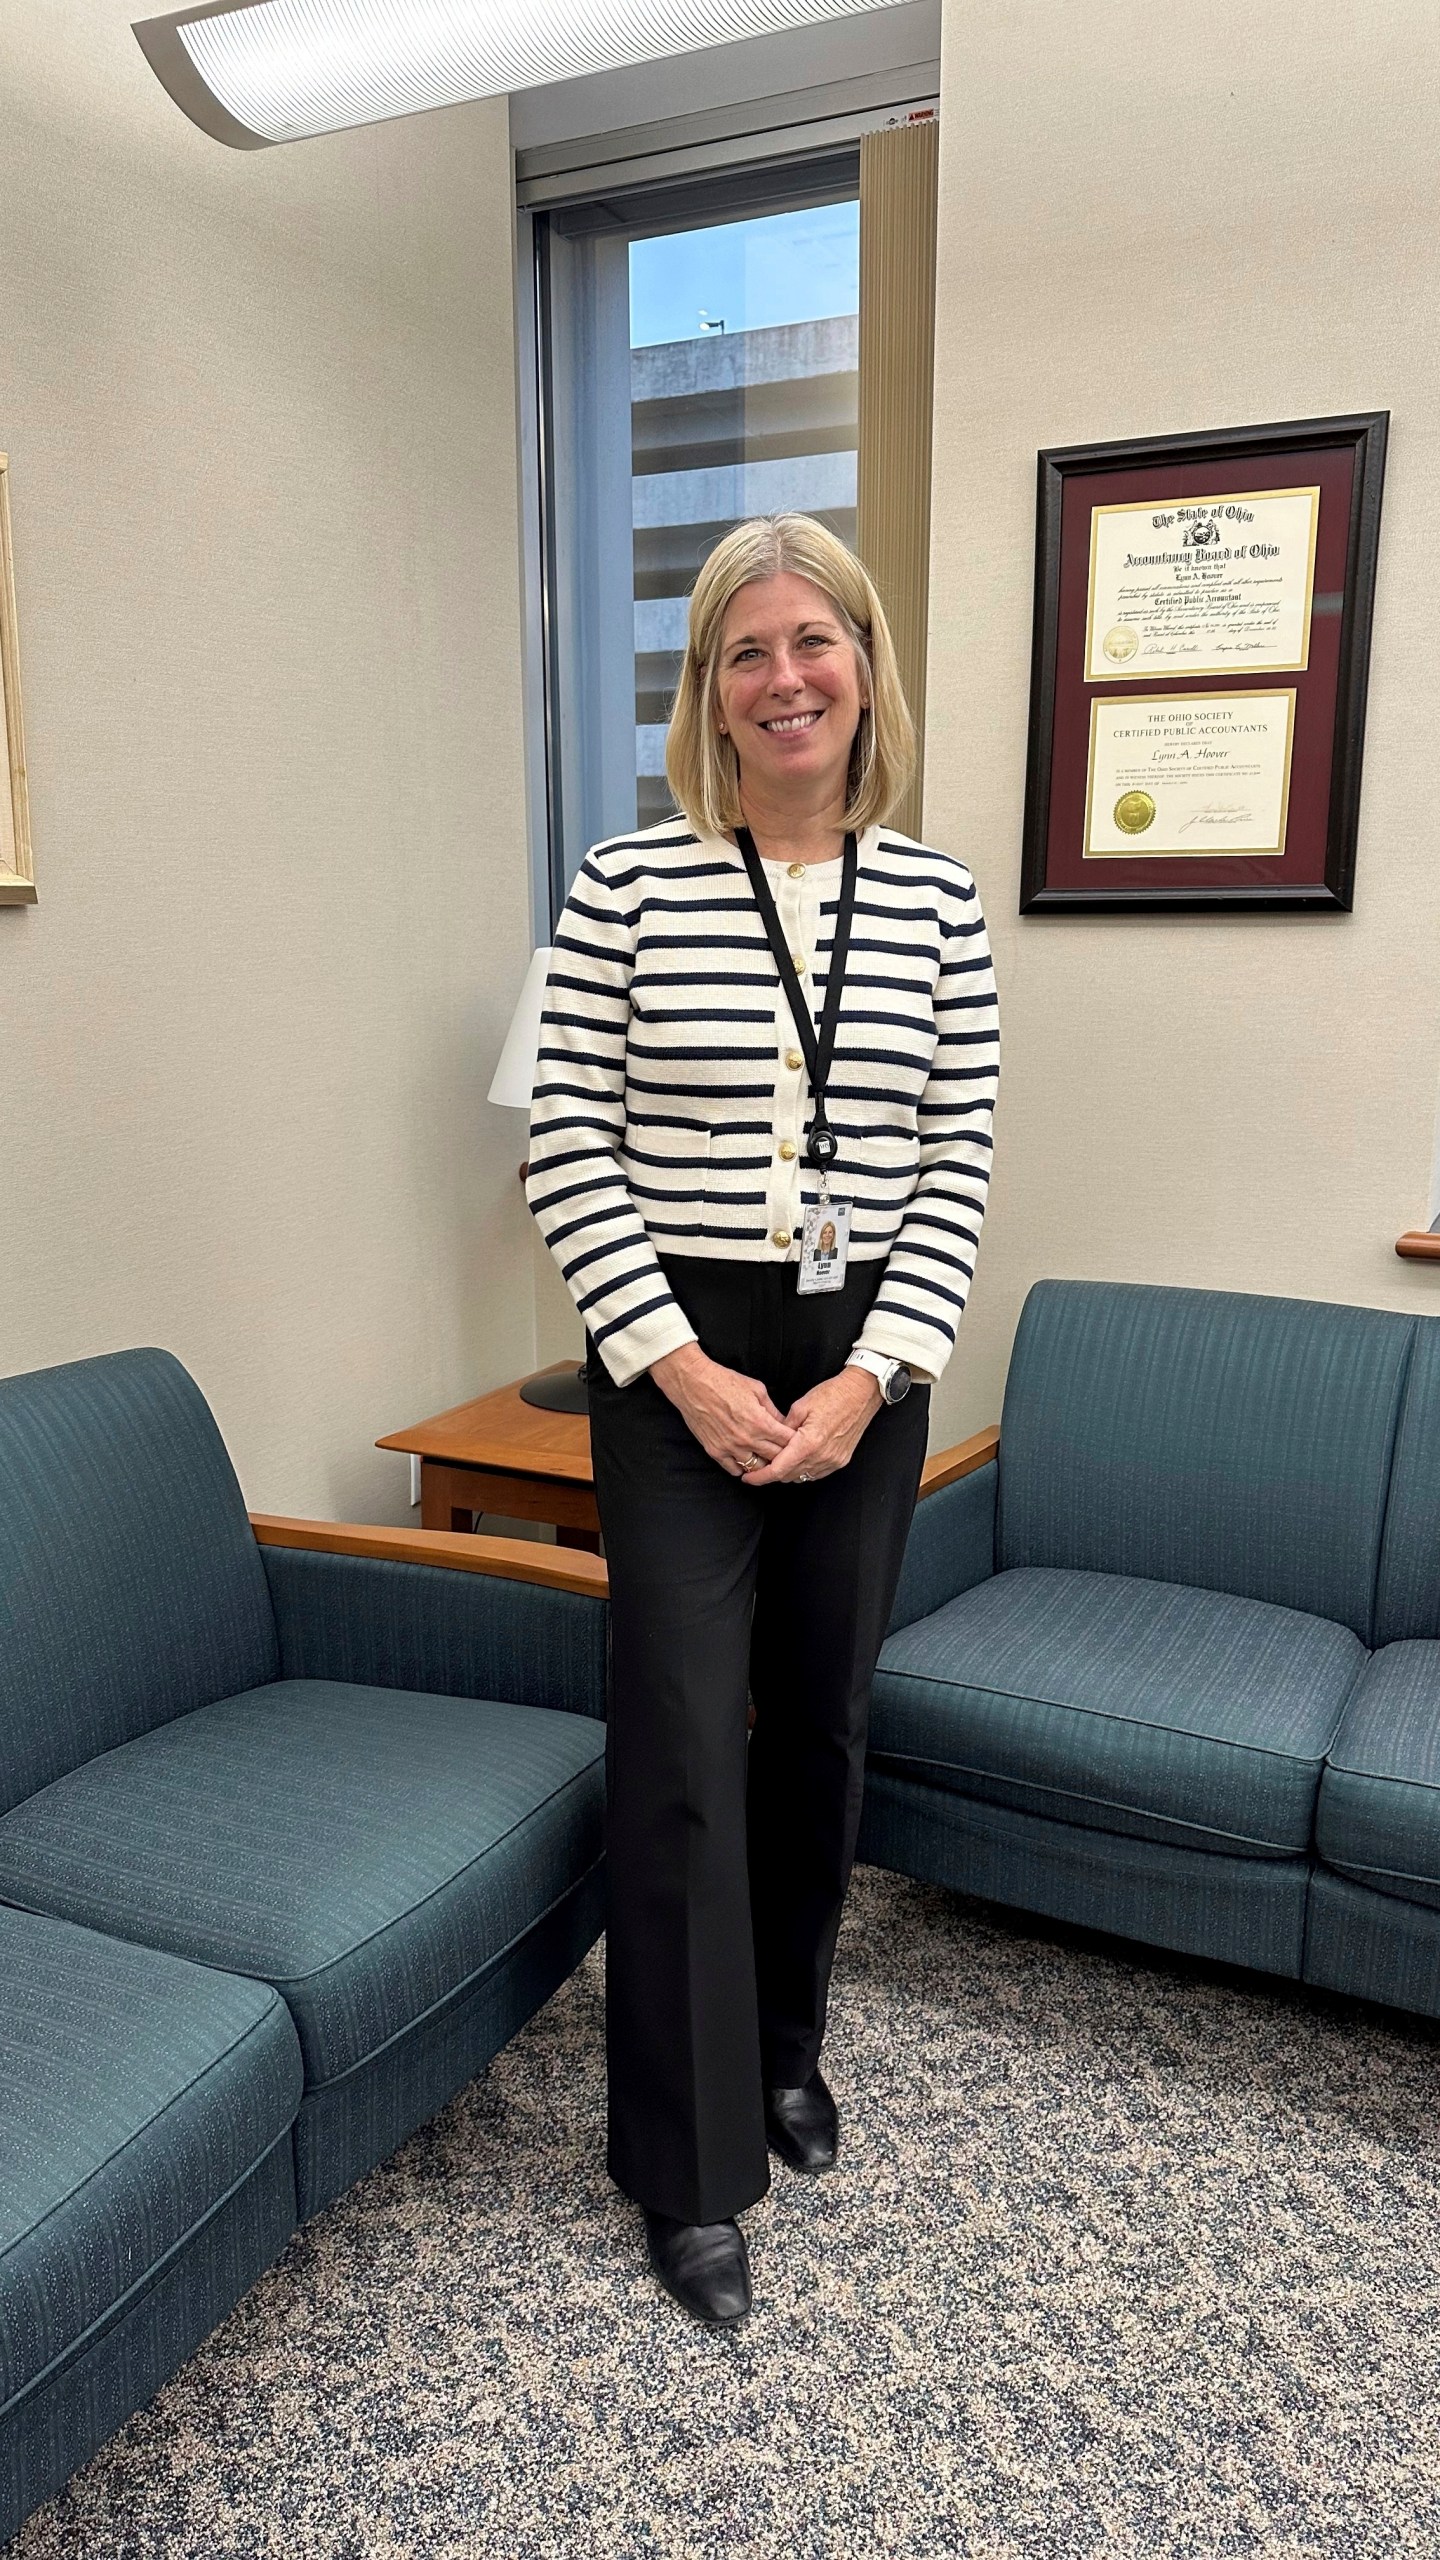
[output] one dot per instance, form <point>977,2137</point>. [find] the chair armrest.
<point>514,1559</point>
<point>503,1617</point>
<point>951,1545</point>
<point>949,1465</point>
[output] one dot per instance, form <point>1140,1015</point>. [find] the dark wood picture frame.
<point>1314,874</point>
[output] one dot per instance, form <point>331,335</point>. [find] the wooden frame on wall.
<point>1272,526</point>
<point>17,868</point>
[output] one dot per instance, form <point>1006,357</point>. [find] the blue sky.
<point>751,275</point>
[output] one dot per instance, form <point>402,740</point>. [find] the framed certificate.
<point>1201,648</point>
<point>17,869</point>
<point>1204,588</point>
<point>1189,776</point>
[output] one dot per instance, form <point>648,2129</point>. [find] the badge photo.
<point>824,1246</point>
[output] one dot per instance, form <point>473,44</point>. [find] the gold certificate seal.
<point>1134,812</point>
<point>1120,644</point>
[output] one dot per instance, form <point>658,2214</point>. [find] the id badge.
<point>824,1244</point>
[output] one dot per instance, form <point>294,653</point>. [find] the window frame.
<point>760,156</point>
<point>562,238</point>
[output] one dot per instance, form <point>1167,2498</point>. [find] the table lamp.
<point>513,1083</point>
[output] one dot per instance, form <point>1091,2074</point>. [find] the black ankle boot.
<point>803,2125</point>
<point>703,2264</point>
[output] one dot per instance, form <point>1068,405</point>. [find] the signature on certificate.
<point>1217,813</point>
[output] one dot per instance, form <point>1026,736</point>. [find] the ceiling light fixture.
<point>252,72</point>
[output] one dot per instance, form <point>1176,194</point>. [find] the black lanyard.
<point>821,1144</point>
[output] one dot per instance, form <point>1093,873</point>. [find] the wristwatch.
<point>892,1376</point>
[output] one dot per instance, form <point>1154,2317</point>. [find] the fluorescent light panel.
<point>277,70</point>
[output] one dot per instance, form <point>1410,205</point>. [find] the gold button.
<point>797,871</point>
<point>799,959</point>
<point>781,1237</point>
<point>787,1148</point>
<point>793,1058</point>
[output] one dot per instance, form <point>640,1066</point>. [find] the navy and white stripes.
<point>671,1100</point>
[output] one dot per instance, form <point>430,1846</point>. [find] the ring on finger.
<point>754,1460</point>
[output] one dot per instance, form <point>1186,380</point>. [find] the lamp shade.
<point>252,72</point>
<point>513,1082</point>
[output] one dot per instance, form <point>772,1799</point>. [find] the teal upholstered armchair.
<point>1169,1663</point>
<point>296,1829</point>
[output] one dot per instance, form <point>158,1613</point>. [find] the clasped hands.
<point>735,1419</point>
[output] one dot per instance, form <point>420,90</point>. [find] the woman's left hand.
<point>828,1423</point>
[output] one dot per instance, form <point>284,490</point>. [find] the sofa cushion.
<point>1192,1436</point>
<point>1378,1819</point>
<point>368,1851</point>
<point>136,2093</point>
<point>1140,1707</point>
<point>131,1587</point>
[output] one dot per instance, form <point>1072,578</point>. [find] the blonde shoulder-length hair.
<point>702,767</point>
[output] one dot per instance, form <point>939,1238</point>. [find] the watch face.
<point>898,1383</point>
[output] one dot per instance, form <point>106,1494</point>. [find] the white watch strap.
<point>875,1361</point>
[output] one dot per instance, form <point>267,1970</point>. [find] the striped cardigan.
<point>671,1100</point>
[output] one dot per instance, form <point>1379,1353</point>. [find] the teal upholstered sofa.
<point>1168,1664</point>
<point>291,1842</point>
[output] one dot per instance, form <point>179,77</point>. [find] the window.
<point>699,356</point>
<point>741,403</point>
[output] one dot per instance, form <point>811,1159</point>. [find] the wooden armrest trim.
<point>949,1465</point>
<point>513,1559</point>
<point>524,1559</point>
<point>1418,1246</point>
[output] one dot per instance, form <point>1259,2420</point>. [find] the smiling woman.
<point>753,1338</point>
<point>785,624</point>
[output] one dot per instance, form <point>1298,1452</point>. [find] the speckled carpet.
<point>1124,2256</point>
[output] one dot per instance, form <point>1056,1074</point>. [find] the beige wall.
<point>260,411</point>
<point>1156,220</point>
<point>260,414</point>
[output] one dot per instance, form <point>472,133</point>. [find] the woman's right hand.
<point>731,1416</point>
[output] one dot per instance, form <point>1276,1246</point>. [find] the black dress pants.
<point>727,1862</point>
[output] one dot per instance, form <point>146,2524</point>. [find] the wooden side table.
<point>496,1454</point>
